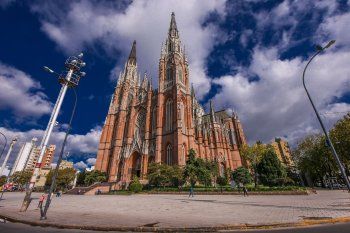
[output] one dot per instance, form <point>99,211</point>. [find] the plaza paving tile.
<point>181,211</point>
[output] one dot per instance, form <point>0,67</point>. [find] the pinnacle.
<point>132,56</point>
<point>173,28</point>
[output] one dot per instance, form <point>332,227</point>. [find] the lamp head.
<point>82,74</point>
<point>330,43</point>
<point>83,64</point>
<point>80,55</point>
<point>48,69</point>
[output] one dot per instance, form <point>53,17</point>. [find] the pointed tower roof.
<point>212,113</point>
<point>173,32</point>
<point>132,56</point>
<point>192,91</point>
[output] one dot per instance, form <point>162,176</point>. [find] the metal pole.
<point>4,144</point>
<point>7,155</point>
<point>45,140</point>
<point>328,140</point>
<point>55,174</point>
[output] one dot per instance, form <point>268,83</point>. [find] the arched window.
<point>169,154</point>
<point>179,73</point>
<point>169,73</point>
<point>168,115</point>
<point>182,116</point>
<point>154,120</point>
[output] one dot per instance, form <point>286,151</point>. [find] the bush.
<point>135,185</point>
<point>241,175</point>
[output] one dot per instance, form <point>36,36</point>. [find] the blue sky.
<point>246,56</point>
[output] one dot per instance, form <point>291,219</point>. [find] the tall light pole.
<point>328,140</point>
<point>55,173</point>
<point>8,155</point>
<point>69,78</point>
<point>5,144</point>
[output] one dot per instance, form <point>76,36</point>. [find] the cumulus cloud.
<point>17,85</point>
<point>276,104</point>
<point>84,24</point>
<point>80,165</point>
<point>77,144</point>
<point>91,161</point>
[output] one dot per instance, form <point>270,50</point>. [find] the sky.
<point>245,56</point>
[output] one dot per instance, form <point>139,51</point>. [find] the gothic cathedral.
<point>147,125</point>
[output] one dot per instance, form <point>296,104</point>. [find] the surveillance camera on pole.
<point>68,79</point>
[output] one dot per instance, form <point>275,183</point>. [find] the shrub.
<point>135,185</point>
<point>241,175</point>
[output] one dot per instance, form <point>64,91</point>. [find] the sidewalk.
<point>152,212</point>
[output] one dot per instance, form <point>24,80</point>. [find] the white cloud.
<point>21,94</point>
<point>77,144</point>
<point>337,27</point>
<point>276,105</point>
<point>84,24</point>
<point>80,165</point>
<point>91,161</point>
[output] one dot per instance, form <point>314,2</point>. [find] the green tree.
<point>340,137</point>
<point>95,176</point>
<point>241,175</point>
<point>81,178</point>
<point>3,180</point>
<point>21,177</point>
<point>135,185</point>
<point>177,176</point>
<point>191,168</point>
<point>270,168</point>
<point>254,154</point>
<point>159,174</point>
<point>314,158</point>
<point>64,179</point>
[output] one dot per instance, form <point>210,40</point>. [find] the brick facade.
<point>146,125</point>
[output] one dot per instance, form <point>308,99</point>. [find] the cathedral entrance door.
<point>136,165</point>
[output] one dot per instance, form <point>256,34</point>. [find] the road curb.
<point>302,223</point>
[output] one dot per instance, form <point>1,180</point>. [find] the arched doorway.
<point>136,162</point>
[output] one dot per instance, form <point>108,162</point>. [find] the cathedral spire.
<point>132,56</point>
<point>173,32</point>
<point>192,91</point>
<point>212,113</point>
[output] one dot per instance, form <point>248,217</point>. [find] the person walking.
<point>245,191</point>
<point>191,192</point>
<point>41,200</point>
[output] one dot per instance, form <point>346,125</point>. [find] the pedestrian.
<point>245,191</point>
<point>79,191</point>
<point>41,200</point>
<point>191,192</point>
<point>58,194</point>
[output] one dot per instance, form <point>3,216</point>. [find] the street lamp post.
<point>69,78</point>
<point>5,144</point>
<point>55,174</point>
<point>328,140</point>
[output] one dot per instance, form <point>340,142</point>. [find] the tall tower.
<point>114,131</point>
<point>174,118</point>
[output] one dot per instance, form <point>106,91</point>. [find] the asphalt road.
<point>9,227</point>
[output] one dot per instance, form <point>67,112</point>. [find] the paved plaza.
<point>181,211</point>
